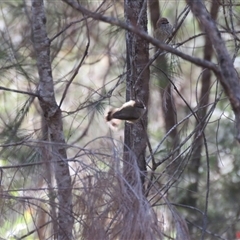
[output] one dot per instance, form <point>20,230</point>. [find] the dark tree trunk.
<point>137,83</point>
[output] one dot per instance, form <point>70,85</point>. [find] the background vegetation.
<point>64,174</point>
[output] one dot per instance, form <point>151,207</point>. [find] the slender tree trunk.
<point>137,85</point>
<point>53,118</point>
<point>162,72</point>
<point>195,161</point>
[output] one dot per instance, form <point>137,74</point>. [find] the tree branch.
<point>144,35</point>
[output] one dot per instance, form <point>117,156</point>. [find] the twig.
<point>19,91</point>
<point>74,75</point>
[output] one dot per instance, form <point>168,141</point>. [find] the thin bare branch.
<point>19,91</point>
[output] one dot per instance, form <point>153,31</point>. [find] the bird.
<point>130,111</point>
<point>163,29</point>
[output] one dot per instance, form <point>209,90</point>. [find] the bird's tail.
<point>112,122</point>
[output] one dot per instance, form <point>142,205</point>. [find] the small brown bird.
<point>163,29</point>
<point>130,111</point>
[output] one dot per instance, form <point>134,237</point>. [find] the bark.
<point>137,85</point>
<point>53,118</point>
<point>47,177</point>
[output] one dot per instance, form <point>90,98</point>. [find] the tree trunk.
<point>137,83</point>
<point>53,118</point>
